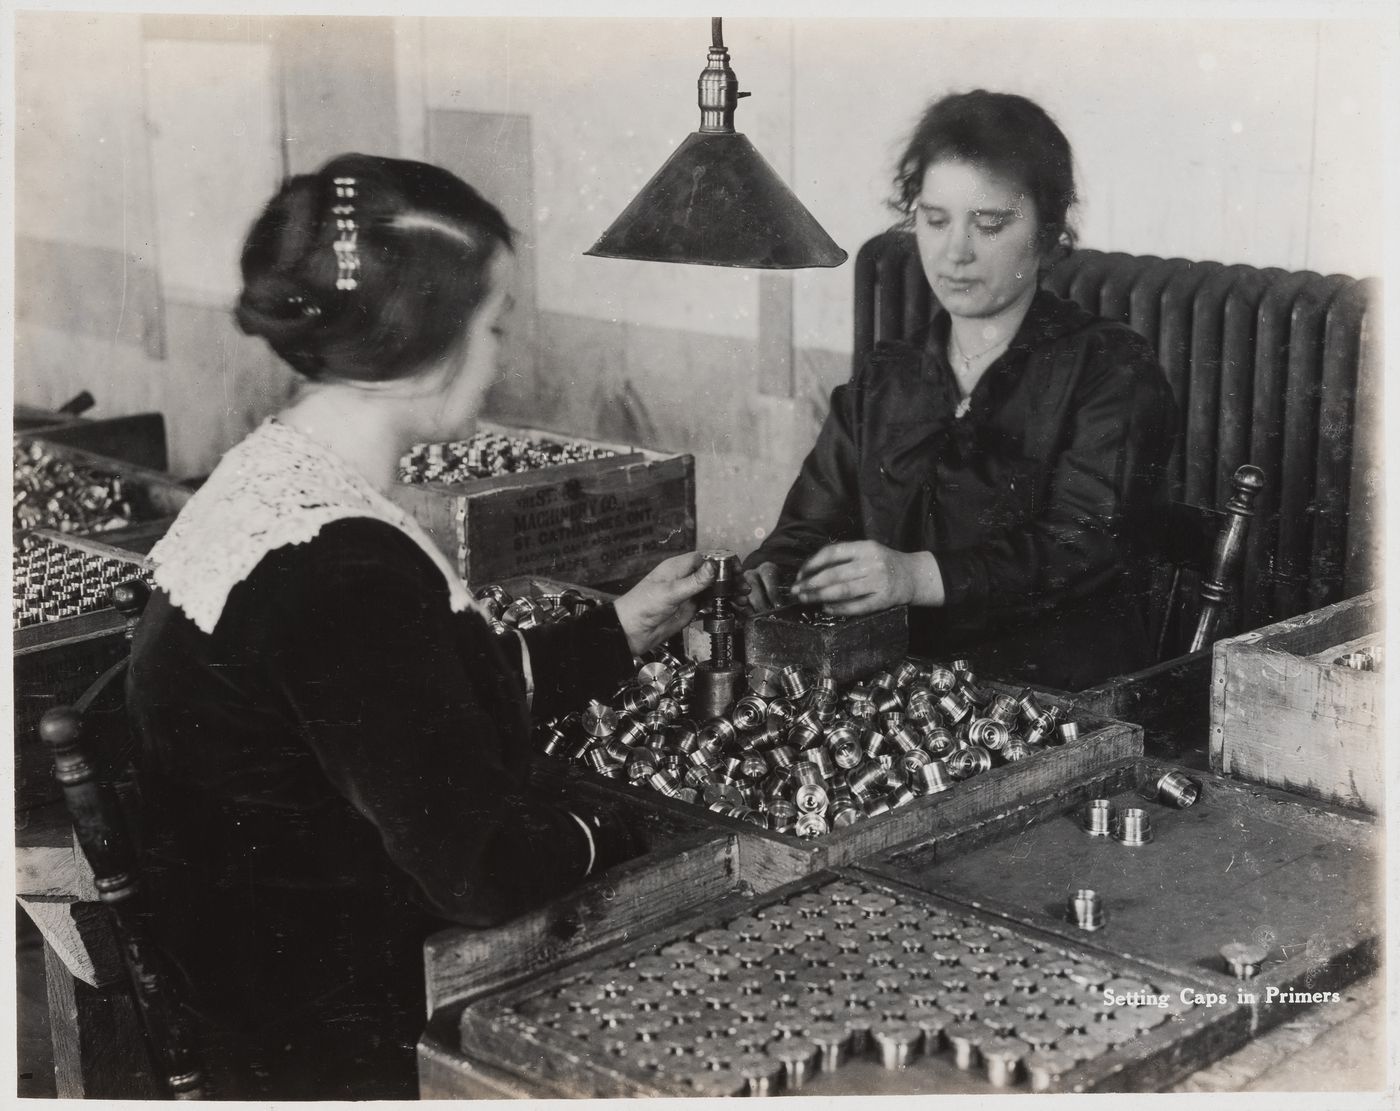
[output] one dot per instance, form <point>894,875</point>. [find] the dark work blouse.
<point>338,770</point>
<point>1040,503</point>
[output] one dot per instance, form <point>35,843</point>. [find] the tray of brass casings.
<point>53,581</point>
<point>487,454</point>
<point>52,491</point>
<point>802,755</point>
<point>819,774</point>
<point>59,488</point>
<point>840,984</point>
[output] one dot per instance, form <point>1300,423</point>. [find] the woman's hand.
<point>762,589</point>
<point>862,576</point>
<point>662,604</point>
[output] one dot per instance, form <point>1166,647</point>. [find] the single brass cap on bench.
<point>1243,958</point>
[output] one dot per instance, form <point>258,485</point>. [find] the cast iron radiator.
<point>1269,367</point>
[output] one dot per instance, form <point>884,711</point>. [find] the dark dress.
<point>1040,503</point>
<point>334,773</point>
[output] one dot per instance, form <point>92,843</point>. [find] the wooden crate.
<point>53,664</point>
<point>1285,714</point>
<point>507,1044</point>
<point>1245,863</point>
<point>782,857</point>
<point>594,522</point>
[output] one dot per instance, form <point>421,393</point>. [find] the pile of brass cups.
<point>52,581</point>
<point>769,1001</point>
<point>55,493</point>
<point>798,754</point>
<point>487,454</point>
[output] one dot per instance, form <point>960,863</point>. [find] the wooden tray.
<point>783,857</point>
<point>594,522</point>
<point>1244,864</point>
<point>1284,713</point>
<point>507,1036</point>
<point>138,438</point>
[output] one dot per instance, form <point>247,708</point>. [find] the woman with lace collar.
<point>334,745</point>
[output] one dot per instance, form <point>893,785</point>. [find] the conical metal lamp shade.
<point>718,202</point>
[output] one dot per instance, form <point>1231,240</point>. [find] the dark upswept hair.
<point>1006,134</point>
<point>425,242</point>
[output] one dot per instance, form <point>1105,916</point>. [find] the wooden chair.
<point>1202,552</point>
<point>92,748</point>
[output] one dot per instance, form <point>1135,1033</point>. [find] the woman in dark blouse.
<point>334,744</point>
<point>1002,473</point>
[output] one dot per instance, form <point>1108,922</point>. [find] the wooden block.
<point>48,862</point>
<point>846,651</point>
<point>1284,713</point>
<point>598,521</point>
<point>80,934</point>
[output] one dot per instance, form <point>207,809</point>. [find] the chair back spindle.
<point>1225,559</point>
<point>86,753</point>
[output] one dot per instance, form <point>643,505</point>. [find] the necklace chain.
<point>964,357</point>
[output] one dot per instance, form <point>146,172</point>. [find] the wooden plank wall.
<point>135,189</point>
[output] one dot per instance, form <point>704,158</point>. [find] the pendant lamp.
<point>716,201</point>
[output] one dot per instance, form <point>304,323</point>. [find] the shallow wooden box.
<point>848,650</point>
<point>1284,713</point>
<point>782,857</point>
<point>1243,864</point>
<point>53,664</point>
<point>594,522</point>
<point>500,1033</point>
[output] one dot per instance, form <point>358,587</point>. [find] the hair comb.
<point>347,259</point>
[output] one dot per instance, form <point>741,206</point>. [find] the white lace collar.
<point>275,487</point>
